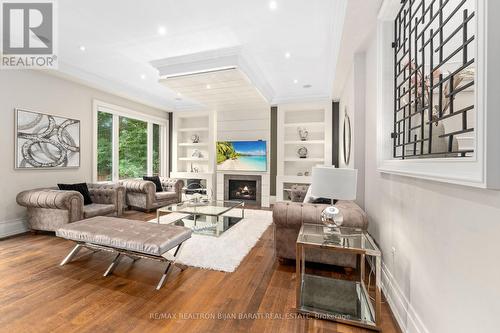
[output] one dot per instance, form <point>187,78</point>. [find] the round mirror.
<point>347,138</point>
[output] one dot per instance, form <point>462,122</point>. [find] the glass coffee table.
<point>212,217</point>
<point>340,300</point>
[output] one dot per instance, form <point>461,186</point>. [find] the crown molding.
<point>72,73</point>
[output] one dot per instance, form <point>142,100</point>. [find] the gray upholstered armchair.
<point>142,195</point>
<point>50,208</point>
<point>288,218</point>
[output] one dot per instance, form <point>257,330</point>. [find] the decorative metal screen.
<point>434,112</point>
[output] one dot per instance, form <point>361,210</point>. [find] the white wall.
<point>243,125</point>
<point>251,124</point>
<point>246,125</point>
<point>352,101</point>
<point>45,93</point>
<point>346,104</point>
<point>443,275</point>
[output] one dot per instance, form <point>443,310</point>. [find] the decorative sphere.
<point>331,217</point>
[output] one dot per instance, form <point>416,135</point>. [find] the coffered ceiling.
<point>111,44</point>
<point>223,90</point>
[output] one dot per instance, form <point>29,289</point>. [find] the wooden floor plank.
<point>38,295</point>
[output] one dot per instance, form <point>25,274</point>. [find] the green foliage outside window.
<point>133,143</point>
<point>156,149</point>
<point>104,146</point>
<point>132,147</point>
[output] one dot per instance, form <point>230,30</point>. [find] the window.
<point>156,149</point>
<point>104,146</point>
<point>128,144</point>
<point>434,75</point>
<point>133,137</point>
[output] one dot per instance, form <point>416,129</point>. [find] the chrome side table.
<point>336,299</point>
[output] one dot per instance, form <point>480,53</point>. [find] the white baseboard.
<point>406,316</point>
<point>13,227</point>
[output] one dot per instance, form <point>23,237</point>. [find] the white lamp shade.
<point>334,183</point>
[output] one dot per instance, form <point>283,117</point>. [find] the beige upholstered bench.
<point>131,238</point>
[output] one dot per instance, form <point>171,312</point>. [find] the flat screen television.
<point>242,155</point>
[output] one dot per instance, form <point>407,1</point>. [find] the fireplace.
<point>242,190</point>
<point>243,187</point>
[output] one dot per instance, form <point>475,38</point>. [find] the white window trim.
<point>119,111</point>
<point>482,170</point>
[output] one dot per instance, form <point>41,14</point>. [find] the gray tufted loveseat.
<point>288,217</point>
<point>142,195</point>
<point>50,208</point>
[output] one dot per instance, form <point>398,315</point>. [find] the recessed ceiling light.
<point>143,76</point>
<point>306,86</point>
<point>273,5</point>
<point>82,48</point>
<point>287,55</point>
<point>179,94</point>
<point>209,86</point>
<point>162,30</point>
<point>295,81</point>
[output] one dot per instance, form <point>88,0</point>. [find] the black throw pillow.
<point>80,187</point>
<point>322,201</point>
<point>156,180</point>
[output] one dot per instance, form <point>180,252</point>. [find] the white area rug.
<point>226,252</point>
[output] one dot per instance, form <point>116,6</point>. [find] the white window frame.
<point>481,170</point>
<point>117,112</point>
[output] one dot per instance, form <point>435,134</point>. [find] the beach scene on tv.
<point>241,155</point>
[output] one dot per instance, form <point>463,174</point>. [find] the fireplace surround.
<point>247,188</point>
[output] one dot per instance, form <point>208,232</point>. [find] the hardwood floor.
<point>38,295</point>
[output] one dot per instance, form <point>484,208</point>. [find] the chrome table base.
<point>133,255</point>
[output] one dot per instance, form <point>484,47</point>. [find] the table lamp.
<point>334,184</point>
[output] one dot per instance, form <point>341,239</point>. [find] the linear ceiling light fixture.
<point>203,71</point>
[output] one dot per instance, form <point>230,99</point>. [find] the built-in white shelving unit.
<point>304,160</point>
<point>191,144</point>
<point>316,119</point>
<point>193,129</point>
<point>194,160</point>
<point>319,124</point>
<point>309,142</point>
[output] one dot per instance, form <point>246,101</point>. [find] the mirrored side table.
<point>339,300</point>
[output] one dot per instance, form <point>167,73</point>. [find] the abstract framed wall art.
<point>46,142</point>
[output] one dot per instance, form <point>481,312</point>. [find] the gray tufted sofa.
<point>142,195</point>
<point>288,218</point>
<point>51,208</point>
